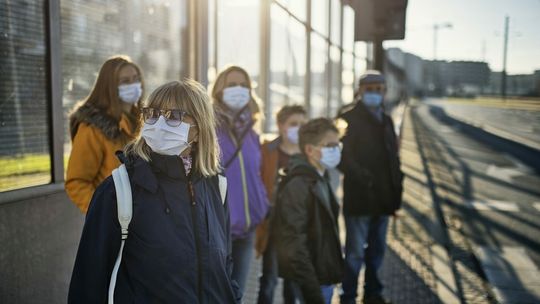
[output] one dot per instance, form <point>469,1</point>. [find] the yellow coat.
<point>92,160</point>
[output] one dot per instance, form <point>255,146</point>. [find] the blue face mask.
<point>330,158</point>
<point>372,99</point>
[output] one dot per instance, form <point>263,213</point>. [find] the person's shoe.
<point>376,300</point>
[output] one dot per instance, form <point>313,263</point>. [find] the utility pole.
<point>436,28</point>
<point>505,48</point>
<point>484,50</point>
<point>440,87</point>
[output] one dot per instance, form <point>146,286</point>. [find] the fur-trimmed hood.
<point>95,117</point>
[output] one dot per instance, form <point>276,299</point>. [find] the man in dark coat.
<point>372,186</point>
<point>305,231</point>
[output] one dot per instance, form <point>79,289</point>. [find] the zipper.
<point>196,234</point>
<point>244,190</point>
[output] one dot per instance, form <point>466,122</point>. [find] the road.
<point>488,189</point>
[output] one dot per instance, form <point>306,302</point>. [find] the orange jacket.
<point>270,155</point>
<point>269,171</point>
<point>92,160</point>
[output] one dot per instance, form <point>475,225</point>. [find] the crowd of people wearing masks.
<point>206,195</point>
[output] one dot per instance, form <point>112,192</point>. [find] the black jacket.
<point>372,182</point>
<point>178,249</point>
<point>305,230</point>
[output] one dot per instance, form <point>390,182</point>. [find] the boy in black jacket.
<point>305,223</point>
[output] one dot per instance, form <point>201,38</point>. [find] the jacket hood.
<point>95,117</point>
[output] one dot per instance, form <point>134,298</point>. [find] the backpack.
<point>124,204</point>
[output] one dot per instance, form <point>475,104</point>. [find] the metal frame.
<point>264,74</point>
<point>56,119</point>
<point>198,37</point>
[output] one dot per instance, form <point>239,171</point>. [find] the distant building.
<point>460,78</point>
<point>412,66</point>
<point>516,85</point>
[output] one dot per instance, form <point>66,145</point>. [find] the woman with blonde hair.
<point>178,248</point>
<point>237,110</point>
<point>103,123</point>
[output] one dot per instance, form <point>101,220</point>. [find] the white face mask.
<point>292,134</point>
<point>130,93</point>
<point>236,97</point>
<point>331,156</point>
<point>164,139</point>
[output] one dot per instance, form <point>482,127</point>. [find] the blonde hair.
<point>190,96</point>
<point>219,86</point>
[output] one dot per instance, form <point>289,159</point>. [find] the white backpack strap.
<point>124,204</point>
<point>222,187</point>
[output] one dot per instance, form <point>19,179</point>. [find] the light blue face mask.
<point>372,99</point>
<point>292,134</point>
<point>331,156</point>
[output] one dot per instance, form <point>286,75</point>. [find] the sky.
<point>477,32</point>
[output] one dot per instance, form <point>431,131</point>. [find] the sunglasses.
<point>173,118</point>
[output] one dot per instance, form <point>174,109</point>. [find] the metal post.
<point>198,40</point>
<point>435,29</point>
<point>378,54</point>
<point>264,77</point>
<point>56,111</point>
<point>307,88</point>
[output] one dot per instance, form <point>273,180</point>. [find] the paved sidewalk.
<point>416,268</point>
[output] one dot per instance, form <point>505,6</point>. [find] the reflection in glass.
<point>151,32</point>
<point>24,138</point>
<point>287,63</point>
<point>335,81</point>
<point>319,91</point>
<point>360,59</point>
<point>297,7</point>
<point>335,22</point>
<point>238,30</point>
<point>347,78</point>
<point>319,16</point>
<point>348,28</point>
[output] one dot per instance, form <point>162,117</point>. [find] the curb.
<point>498,132</point>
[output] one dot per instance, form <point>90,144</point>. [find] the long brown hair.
<point>219,86</point>
<point>104,94</point>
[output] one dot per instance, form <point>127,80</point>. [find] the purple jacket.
<point>246,195</point>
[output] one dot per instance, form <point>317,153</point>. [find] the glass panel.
<point>359,68</point>
<point>360,59</point>
<point>335,22</point>
<point>348,28</point>
<point>297,7</point>
<point>287,63</point>
<point>319,16</point>
<point>152,32</point>
<point>238,35</point>
<point>335,80</point>
<point>319,91</point>
<point>347,78</point>
<point>24,138</point>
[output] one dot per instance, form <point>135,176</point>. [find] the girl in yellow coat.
<point>101,124</point>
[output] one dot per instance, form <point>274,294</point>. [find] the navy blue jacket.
<point>178,249</point>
